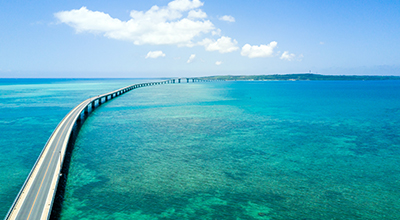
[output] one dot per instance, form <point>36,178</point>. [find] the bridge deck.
<point>36,196</point>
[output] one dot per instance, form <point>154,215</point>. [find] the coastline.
<point>297,77</point>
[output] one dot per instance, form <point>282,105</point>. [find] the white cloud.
<point>191,58</point>
<point>185,5</point>
<point>227,18</point>
<point>223,44</point>
<point>288,56</point>
<point>159,25</point>
<point>155,54</point>
<point>216,32</point>
<point>218,63</point>
<point>196,14</point>
<point>259,51</point>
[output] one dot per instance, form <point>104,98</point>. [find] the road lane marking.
<point>36,169</point>
<point>53,183</point>
<point>65,125</point>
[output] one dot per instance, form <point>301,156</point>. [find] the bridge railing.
<point>89,101</point>
<point>34,167</point>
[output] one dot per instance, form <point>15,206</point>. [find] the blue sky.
<point>160,38</point>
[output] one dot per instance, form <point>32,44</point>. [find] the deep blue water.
<point>220,150</point>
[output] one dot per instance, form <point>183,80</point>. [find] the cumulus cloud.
<point>288,56</point>
<point>259,51</point>
<point>185,5</point>
<point>222,45</point>
<point>196,14</point>
<point>227,18</point>
<point>158,25</point>
<point>218,63</point>
<point>191,58</point>
<point>216,32</point>
<point>155,54</point>
<point>180,22</point>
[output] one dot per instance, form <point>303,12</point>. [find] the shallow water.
<point>240,150</point>
<point>221,150</point>
<point>30,110</point>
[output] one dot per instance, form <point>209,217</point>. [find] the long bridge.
<point>36,197</point>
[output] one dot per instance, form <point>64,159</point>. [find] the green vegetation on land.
<point>306,76</point>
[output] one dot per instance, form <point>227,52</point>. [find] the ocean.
<point>213,150</point>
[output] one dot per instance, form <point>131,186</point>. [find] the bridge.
<point>36,197</point>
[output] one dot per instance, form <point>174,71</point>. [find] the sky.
<point>187,38</point>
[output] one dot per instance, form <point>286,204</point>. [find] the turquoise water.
<point>221,150</point>
<point>30,110</point>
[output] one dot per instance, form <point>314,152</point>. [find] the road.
<point>36,196</point>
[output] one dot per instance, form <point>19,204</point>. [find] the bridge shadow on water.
<point>59,197</point>
<point>60,193</point>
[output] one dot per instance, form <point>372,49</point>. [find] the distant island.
<point>295,77</point>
